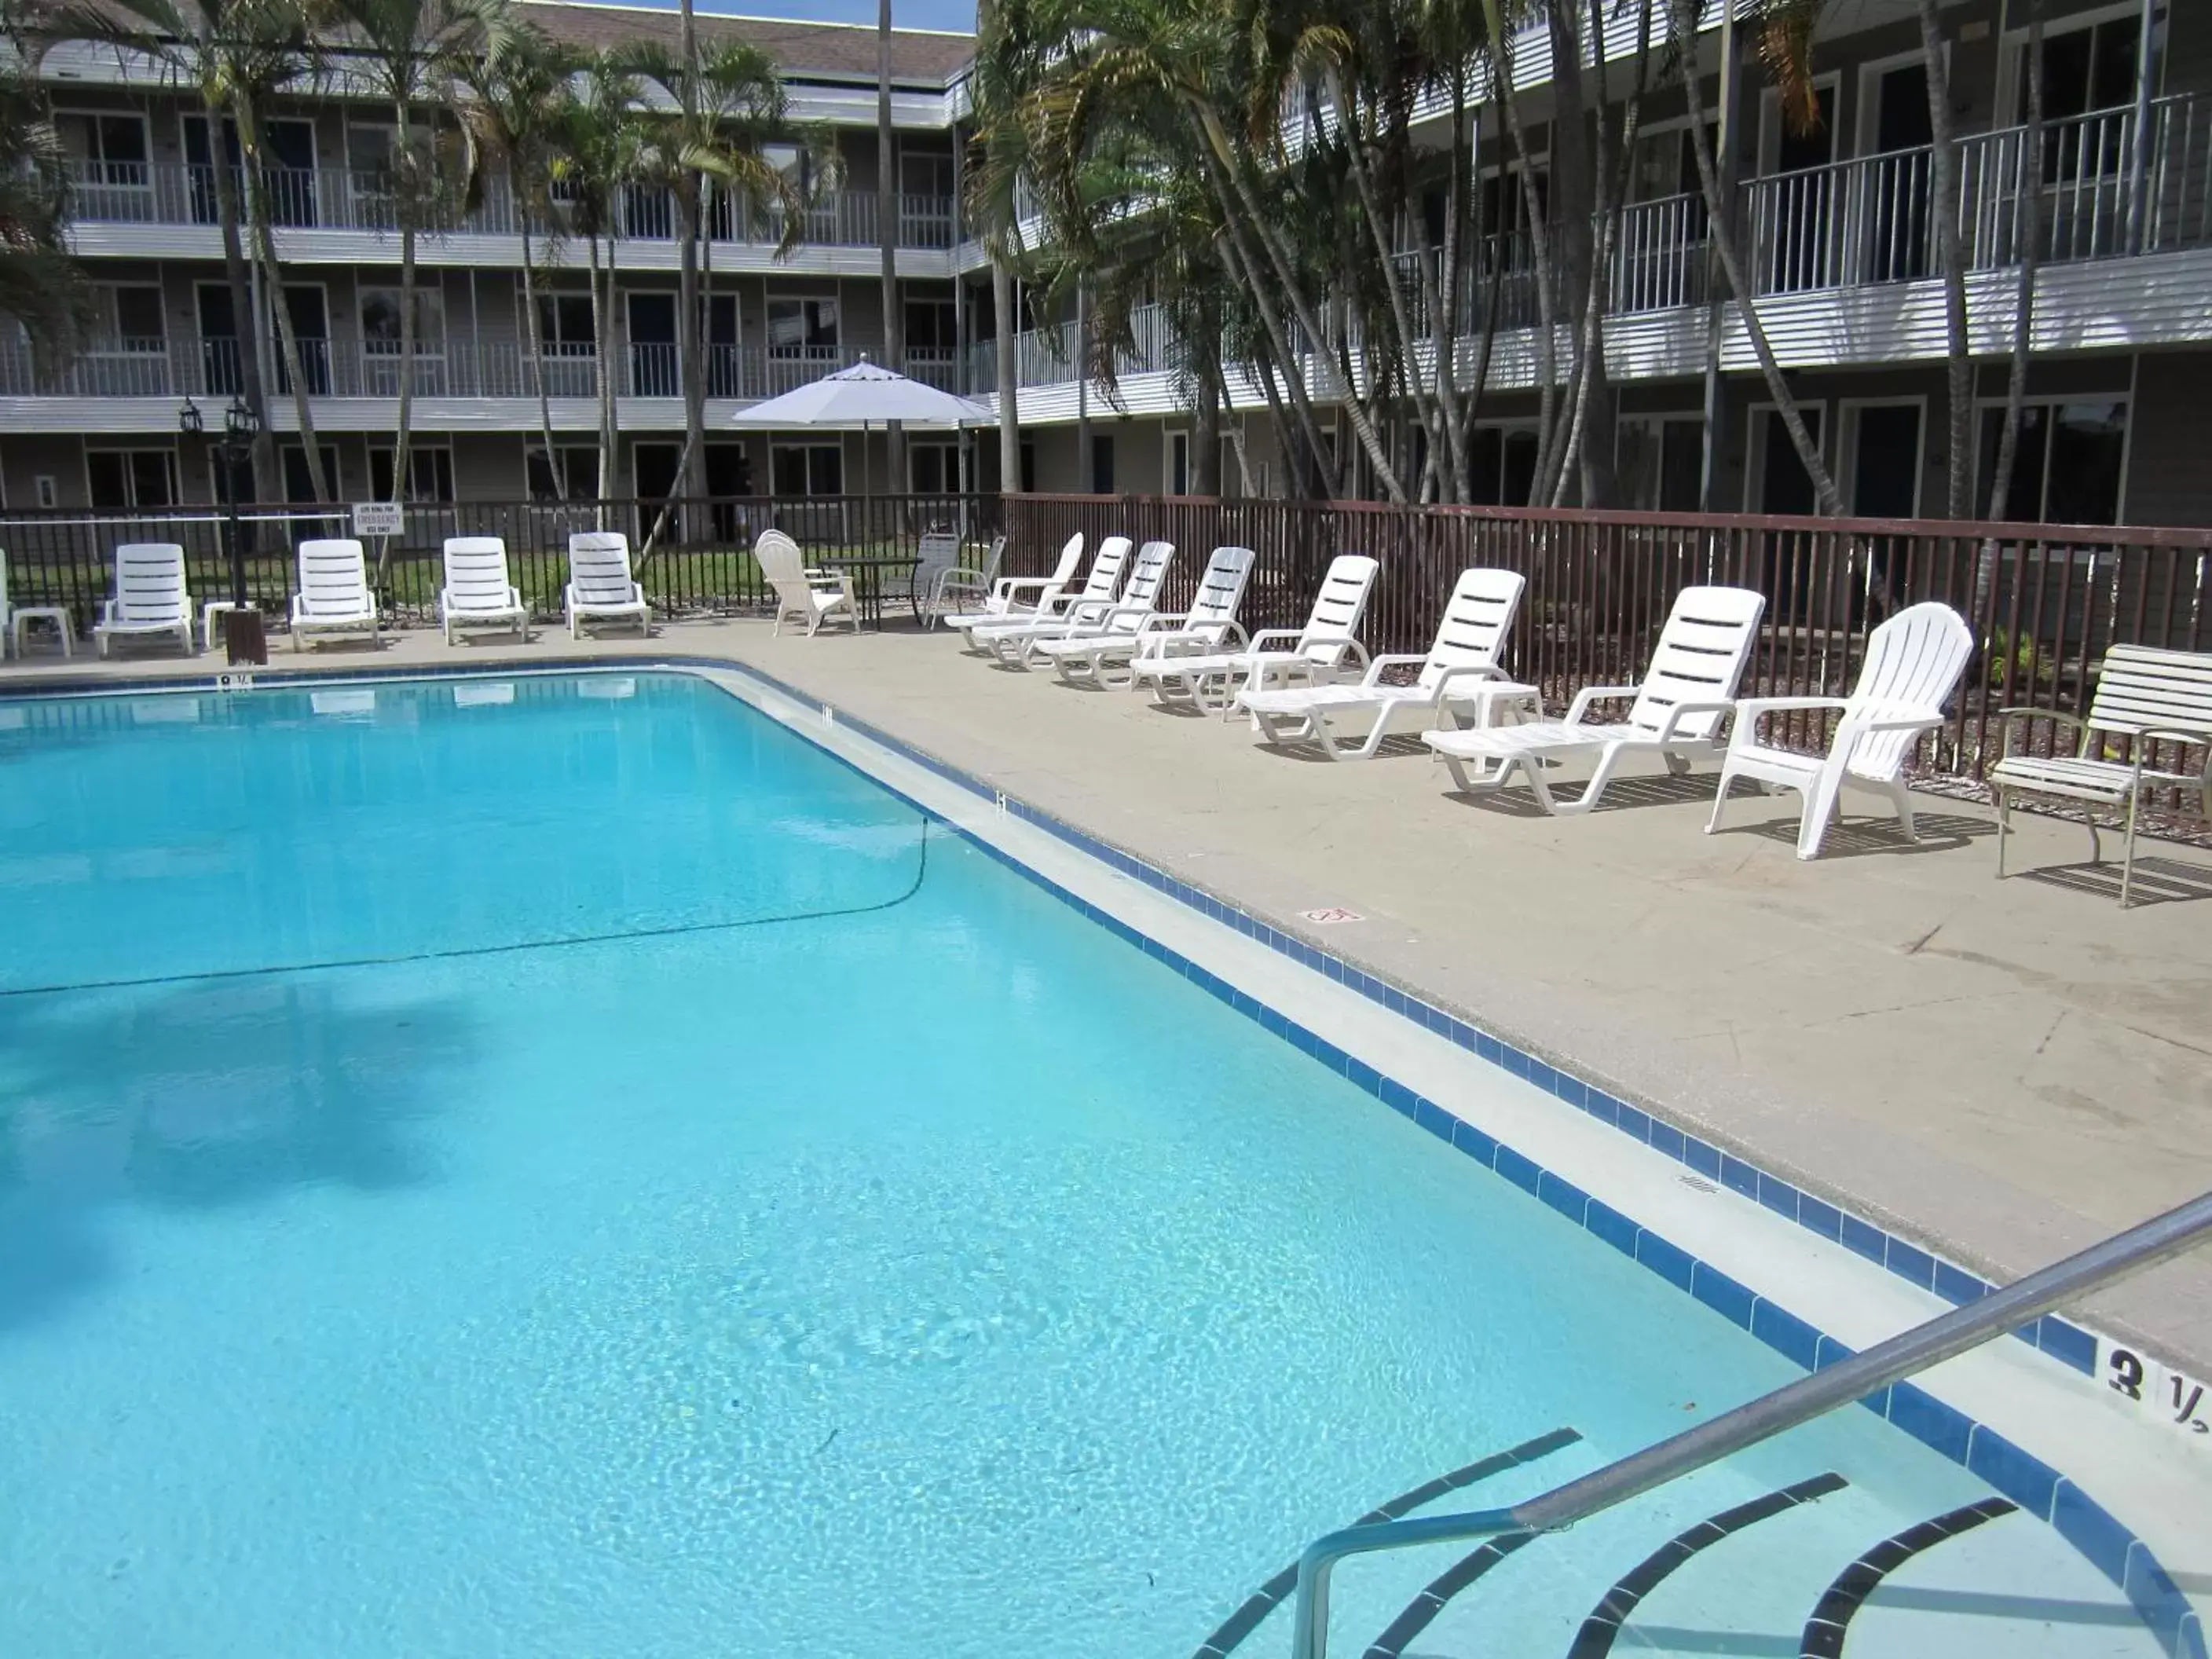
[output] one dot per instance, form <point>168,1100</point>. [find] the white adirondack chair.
<point>1011,596</point>
<point>1083,655</point>
<point>1462,658</point>
<point>1084,608</point>
<point>813,597</point>
<point>1687,691</point>
<point>600,587</point>
<point>1913,663</point>
<point>963,588</point>
<point>1314,653</point>
<point>2144,696</point>
<point>333,596</point>
<point>477,593</point>
<point>150,599</point>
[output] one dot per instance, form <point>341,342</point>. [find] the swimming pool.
<point>565,1166</point>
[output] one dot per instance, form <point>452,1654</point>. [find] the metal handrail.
<point>1942,1337</point>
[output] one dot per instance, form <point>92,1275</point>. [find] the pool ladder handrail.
<point>1945,1337</point>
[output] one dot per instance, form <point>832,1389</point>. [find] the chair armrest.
<point>1464,671</point>
<point>2202,735</point>
<point>2011,719</point>
<point>1682,711</point>
<point>1591,694</point>
<point>1343,642</point>
<point>1007,586</point>
<point>1750,708</point>
<point>107,613</point>
<point>1259,640</point>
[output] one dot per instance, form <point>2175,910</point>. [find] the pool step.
<point>1831,1623</point>
<point>1264,1601</point>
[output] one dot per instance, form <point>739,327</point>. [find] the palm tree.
<point>2027,210</point>
<point>404,47</point>
<point>513,103</point>
<point>598,149</point>
<point>234,54</point>
<point>40,285</point>
<point>1943,203</point>
<point>714,114</point>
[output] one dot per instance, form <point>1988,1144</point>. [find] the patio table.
<point>868,571</point>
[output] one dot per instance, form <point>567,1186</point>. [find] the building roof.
<point>844,51</point>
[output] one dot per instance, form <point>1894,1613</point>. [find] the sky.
<point>905,14</point>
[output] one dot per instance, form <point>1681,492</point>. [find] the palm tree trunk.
<point>603,385</point>
<point>1721,215</point>
<point>1943,167</point>
<point>249,145</point>
<point>1007,344</point>
<point>691,472</point>
<point>887,205</point>
<point>536,335</point>
<point>409,199</point>
<point>268,478</point>
<point>2028,198</point>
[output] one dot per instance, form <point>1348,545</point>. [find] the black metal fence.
<point>2045,602</point>
<point>694,557</point>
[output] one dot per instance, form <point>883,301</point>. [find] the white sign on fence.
<point>375,518</point>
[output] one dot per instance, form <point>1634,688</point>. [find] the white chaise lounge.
<point>150,600</point>
<point>1011,596</point>
<point>600,587</point>
<point>812,598</point>
<point>1313,653</point>
<point>1090,635</point>
<point>1010,638</point>
<point>1460,661</point>
<point>1913,663</point>
<point>1138,630</point>
<point>1687,691</point>
<point>2144,696</point>
<point>333,596</point>
<point>478,593</point>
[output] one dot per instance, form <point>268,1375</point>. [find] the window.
<point>1101,463</point>
<point>2068,465</point>
<point>1177,463</point>
<point>807,469</point>
<point>298,487</point>
<point>931,326</point>
<point>579,466</point>
<point>1029,467</point>
<point>794,162</point>
<point>798,326</point>
<point>1667,162</point>
<point>130,478</point>
<point>429,473</point>
<point>2084,69</point>
<point>1779,479</point>
<point>565,319</point>
<point>932,469</point>
<point>129,318</point>
<point>112,146</point>
<point>380,322</point>
<point>925,173</point>
<point>1502,466</point>
<point>1661,462</point>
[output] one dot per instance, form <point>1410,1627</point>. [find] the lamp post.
<point>243,636</point>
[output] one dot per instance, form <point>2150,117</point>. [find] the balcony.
<point>339,198</point>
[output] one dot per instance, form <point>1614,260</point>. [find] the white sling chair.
<point>812,597</point>
<point>1913,662</point>
<point>1462,658</point>
<point>150,600</point>
<point>1315,652</point>
<point>600,587</point>
<point>960,589</point>
<point>333,596</point>
<point>1687,691</point>
<point>478,593</point>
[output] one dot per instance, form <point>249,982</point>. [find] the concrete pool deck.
<point>2005,1070</point>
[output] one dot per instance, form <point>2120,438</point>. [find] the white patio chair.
<point>1460,661</point>
<point>1687,691</point>
<point>477,593</point>
<point>1085,607</point>
<point>334,596</point>
<point>1084,654</point>
<point>936,552</point>
<point>150,599</point>
<point>961,588</point>
<point>1020,596</point>
<point>2144,696</point>
<point>600,587</point>
<point>1913,663</point>
<point>814,597</point>
<point>1314,653</point>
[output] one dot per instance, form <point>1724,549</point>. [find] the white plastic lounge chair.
<point>1462,659</point>
<point>812,597</point>
<point>600,588</point>
<point>1202,630</point>
<point>1913,662</point>
<point>1085,652</point>
<point>1023,596</point>
<point>1687,691</point>
<point>1315,652</point>
<point>333,596</point>
<point>1082,609</point>
<point>965,588</point>
<point>150,599</point>
<point>2144,695</point>
<point>477,593</point>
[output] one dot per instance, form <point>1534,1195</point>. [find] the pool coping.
<point>2039,1489</point>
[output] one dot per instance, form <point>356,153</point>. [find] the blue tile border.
<point>2039,1490</point>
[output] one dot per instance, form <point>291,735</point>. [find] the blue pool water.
<point>574,1171</point>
